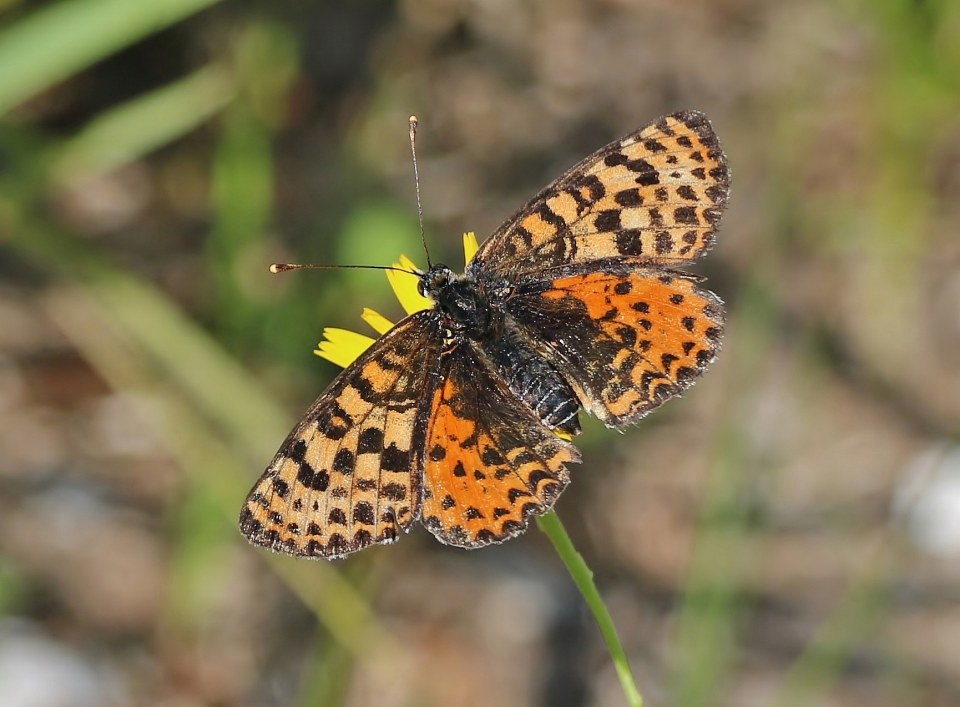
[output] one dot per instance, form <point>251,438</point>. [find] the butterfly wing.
<point>490,463</point>
<point>350,474</point>
<point>626,338</point>
<point>654,196</point>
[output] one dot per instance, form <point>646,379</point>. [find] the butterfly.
<point>459,415</point>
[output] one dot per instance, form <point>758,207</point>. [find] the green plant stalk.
<point>582,576</point>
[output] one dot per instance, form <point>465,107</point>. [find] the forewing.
<point>654,197</point>
<point>490,463</point>
<point>350,474</point>
<point>626,340</point>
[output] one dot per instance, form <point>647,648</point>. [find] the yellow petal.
<point>470,246</point>
<point>405,287</point>
<point>341,346</point>
<point>377,321</point>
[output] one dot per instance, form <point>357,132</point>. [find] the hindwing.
<point>490,463</point>
<point>627,340</point>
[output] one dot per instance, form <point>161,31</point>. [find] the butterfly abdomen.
<point>534,380</point>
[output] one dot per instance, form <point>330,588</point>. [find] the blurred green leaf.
<point>265,64</point>
<point>137,127</point>
<point>61,39</point>
<point>215,449</point>
<point>377,234</point>
<point>857,616</point>
<point>13,588</point>
<point>706,641</point>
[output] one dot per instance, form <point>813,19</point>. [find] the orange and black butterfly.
<point>574,303</point>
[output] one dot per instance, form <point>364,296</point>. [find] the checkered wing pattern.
<point>350,474</point>
<point>653,197</point>
<point>627,339</point>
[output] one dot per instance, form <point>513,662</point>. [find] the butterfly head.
<point>457,297</point>
<point>434,280</point>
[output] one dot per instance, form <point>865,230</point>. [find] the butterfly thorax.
<point>458,297</point>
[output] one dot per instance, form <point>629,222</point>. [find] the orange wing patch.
<point>490,463</point>
<point>349,475</point>
<point>627,341</point>
<point>655,196</point>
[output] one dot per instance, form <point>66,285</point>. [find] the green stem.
<point>583,577</point>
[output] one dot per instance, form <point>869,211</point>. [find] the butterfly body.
<point>576,302</point>
<point>466,311</point>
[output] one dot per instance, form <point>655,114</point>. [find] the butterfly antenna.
<point>287,267</point>
<point>416,180</point>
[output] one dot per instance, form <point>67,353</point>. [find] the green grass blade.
<point>705,650</point>
<point>852,625</point>
<point>58,40</point>
<point>139,126</point>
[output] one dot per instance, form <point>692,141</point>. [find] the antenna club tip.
<point>413,120</point>
<point>277,268</point>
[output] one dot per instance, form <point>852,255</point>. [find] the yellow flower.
<point>342,346</point>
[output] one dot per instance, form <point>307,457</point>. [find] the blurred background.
<point>788,533</point>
